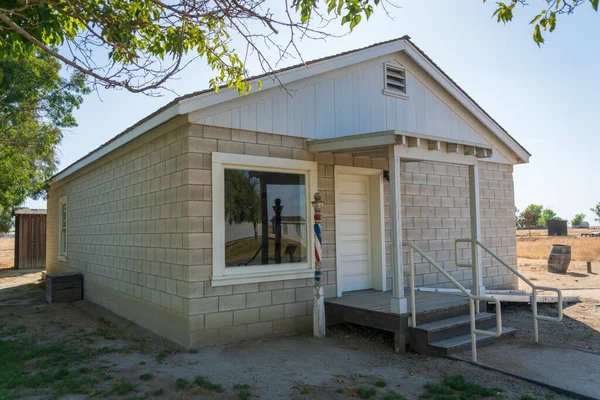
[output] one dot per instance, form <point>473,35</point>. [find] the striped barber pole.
<point>318,247</point>
<point>319,303</point>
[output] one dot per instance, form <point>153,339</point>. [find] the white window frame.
<point>395,93</point>
<point>221,275</point>
<point>62,252</point>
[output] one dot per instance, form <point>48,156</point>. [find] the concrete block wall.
<point>129,230</point>
<point>235,312</point>
<point>140,229</point>
<point>497,200</point>
<point>436,212</point>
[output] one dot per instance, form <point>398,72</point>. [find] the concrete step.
<point>445,328</point>
<point>462,342</point>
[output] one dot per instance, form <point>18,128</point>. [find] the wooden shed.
<point>557,227</point>
<point>30,238</point>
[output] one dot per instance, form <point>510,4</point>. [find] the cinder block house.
<point>196,222</point>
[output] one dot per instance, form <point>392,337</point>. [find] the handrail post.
<point>534,289</point>
<point>413,307</point>
<point>476,290</point>
<point>536,335</point>
<point>472,303</point>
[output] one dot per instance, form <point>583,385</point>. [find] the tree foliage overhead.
<point>546,19</point>
<point>138,45</point>
<point>36,104</point>
<point>145,41</point>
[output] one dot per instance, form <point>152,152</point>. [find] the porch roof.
<point>411,146</point>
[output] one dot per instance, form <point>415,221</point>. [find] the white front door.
<point>354,232</point>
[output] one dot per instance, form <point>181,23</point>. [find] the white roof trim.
<point>301,72</point>
<point>137,131</point>
<point>187,105</point>
<point>473,108</point>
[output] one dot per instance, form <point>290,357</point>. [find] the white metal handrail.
<point>472,298</point>
<point>534,288</point>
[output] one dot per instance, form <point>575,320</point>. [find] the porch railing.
<point>534,288</point>
<point>472,298</point>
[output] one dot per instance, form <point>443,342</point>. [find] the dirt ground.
<point>7,252</point>
<point>580,327</point>
<point>564,347</point>
<point>88,350</point>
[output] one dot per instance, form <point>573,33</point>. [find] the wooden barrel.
<point>559,258</point>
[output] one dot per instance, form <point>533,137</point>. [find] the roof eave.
<point>455,90</point>
<point>155,119</point>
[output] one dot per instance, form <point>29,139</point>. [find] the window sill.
<point>267,276</point>
<point>395,94</point>
<point>62,258</point>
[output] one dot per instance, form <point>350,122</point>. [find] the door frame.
<point>376,214</point>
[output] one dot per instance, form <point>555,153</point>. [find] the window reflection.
<point>265,215</point>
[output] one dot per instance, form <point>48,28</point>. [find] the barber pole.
<point>319,307</point>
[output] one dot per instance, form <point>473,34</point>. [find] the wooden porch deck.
<point>372,308</point>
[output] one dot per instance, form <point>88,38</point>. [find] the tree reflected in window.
<point>265,215</point>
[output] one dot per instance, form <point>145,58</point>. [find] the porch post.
<point>477,288</point>
<point>398,302</point>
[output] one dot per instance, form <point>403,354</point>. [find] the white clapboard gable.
<point>350,101</point>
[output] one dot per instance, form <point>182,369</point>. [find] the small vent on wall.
<point>395,79</point>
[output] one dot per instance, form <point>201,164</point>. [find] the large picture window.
<point>262,218</point>
<point>265,218</point>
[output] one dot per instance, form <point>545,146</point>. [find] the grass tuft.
<point>527,397</point>
<point>121,387</point>
<point>146,377</point>
<point>304,390</point>
<point>157,392</point>
<point>181,384</point>
<point>244,394</point>
<point>366,392</point>
<point>391,395</point>
<point>206,384</point>
<point>381,383</point>
<point>456,386</point>
<point>4,332</point>
<point>339,390</point>
<point>239,386</point>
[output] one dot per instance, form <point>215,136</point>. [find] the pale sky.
<point>546,97</point>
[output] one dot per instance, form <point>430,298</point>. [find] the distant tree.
<point>547,215</point>
<point>36,105</point>
<point>535,209</point>
<point>242,199</point>
<point>528,219</point>
<point>578,219</point>
<point>596,210</point>
<point>5,221</point>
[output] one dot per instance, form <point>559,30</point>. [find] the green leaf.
<point>537,17</point>
<point>594,4</point>
<point>537,35</point>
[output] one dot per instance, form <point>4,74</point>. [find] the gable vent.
<point>395,79</point>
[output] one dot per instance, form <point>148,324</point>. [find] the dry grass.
<point>7,252</point>
<point>544,232</point>
<point>582,249</point>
